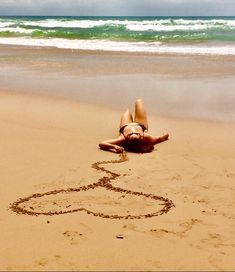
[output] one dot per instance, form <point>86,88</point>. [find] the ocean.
<point>176,35</point>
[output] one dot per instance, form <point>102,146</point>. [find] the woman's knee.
<point>127,113</point>
<point>139,101</point>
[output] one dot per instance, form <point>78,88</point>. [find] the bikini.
<point>132,124</point>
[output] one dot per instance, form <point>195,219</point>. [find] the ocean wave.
<point>167,30</point>
<point>104,45</point>
<point>180,25</point>
<point>128,31</point>
<point>135,25</point>
<point>52,23</point>
<point>5,24</point>
<point>108,33</point>
<point>119,33</point>
<point>16,30</point>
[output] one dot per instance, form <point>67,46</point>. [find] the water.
<point>184,35</point>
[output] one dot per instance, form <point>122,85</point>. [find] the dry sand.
<point>49,143</point>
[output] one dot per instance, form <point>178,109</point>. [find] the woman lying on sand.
<point>133,133</point>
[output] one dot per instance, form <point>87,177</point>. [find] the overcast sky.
<point>117,7</point>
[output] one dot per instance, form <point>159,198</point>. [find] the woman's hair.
<point>137,146</point>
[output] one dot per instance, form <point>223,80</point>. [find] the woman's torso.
<point>136,131</point>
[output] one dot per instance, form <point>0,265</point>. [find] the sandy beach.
<point>57,105</point>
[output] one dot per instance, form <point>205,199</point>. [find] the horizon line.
<point>15,15</point>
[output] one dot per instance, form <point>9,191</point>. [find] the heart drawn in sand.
<point>59,201</point>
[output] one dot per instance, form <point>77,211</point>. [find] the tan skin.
<point>134,130</point>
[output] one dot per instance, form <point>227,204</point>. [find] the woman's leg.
<point>126,118</point>
<point>140,113</point>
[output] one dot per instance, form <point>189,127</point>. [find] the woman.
<point>134,134</point>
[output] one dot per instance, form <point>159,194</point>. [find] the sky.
<point>118,7</point>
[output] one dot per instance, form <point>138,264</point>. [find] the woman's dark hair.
<point>137,146</point>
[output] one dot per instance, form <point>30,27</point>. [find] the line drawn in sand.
<point>22,205</point>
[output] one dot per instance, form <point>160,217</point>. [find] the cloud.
<point>117,7</point>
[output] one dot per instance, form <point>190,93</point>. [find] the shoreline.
<point>174,86</point>
<point>226,63</point>
<point>210,48</point>
<point>107,52</point>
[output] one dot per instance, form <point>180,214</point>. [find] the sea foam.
<point>16,30</point>
<point>138,27</point>
<point>144,25</point>
<point>104,45</point>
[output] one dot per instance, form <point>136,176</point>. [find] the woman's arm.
<point>152,140</point>
<point>113,145</point>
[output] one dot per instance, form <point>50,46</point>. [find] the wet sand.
<point>48,142</point>
<point>176,86</point>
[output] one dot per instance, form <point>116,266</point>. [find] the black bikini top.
<point>132,124</point>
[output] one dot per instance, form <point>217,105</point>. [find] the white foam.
<point>5,24</point>
<point>16,30</point>
<point>231,23</point>
<point>92,23</point>
<point>73,23</point>
<point>153,47</point>
<point>179,24</point>
<point>89,23</point>
<point>158,25</point>
<point>137,27</point>
<point>202,21</point>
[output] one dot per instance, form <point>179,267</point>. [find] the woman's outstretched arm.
<point>152,140</point>
<point>113,145</point>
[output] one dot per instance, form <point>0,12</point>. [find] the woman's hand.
<point>148,139</point>
<point>113,145</point>
<point>165,137</point>
<point>118,149</point>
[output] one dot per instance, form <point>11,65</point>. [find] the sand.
<point>171,85</point>
<point>49,143</point>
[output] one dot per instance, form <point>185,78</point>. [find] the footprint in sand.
<point>212,239</point>
<point>216,240</point>
<point>41,262</point>
<point>176,177</point>
<point>214,261</point>
<point>184,228</point>
<point>229,174</point>
<point>74,237</point>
